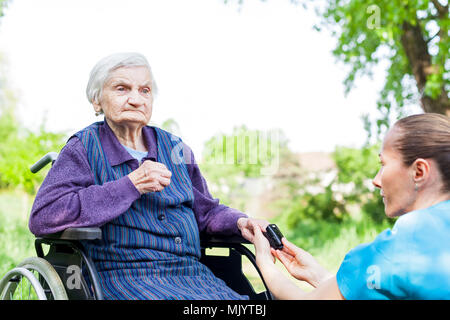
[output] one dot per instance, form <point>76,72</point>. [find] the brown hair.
<point>426,136</point>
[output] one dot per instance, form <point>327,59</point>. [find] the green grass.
<point>16,241</point>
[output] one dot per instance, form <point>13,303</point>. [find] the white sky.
<point>217,66</point>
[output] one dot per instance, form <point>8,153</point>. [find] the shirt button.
<point>177,240</point>
<point>161,217</point>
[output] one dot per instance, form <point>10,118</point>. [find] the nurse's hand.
<point>301,264</point>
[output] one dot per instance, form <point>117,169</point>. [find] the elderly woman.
<point>132,180</point>
<point>411,261</point>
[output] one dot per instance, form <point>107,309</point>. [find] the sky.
<point>217,66</point>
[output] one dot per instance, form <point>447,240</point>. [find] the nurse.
<point>411,261</point>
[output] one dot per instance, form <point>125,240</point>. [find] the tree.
<point>413,35</point>
<point>20,148</point>
<point>231,160</point>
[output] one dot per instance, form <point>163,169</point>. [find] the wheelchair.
<point>65,272</point>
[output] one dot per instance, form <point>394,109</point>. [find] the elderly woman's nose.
<point>135,98</point>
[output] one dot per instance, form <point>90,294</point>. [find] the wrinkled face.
<point>395,179</point>
<point>127,97</point>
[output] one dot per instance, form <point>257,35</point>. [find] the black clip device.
<point>274,235</point>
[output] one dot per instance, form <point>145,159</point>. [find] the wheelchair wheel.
<point>33,279</point>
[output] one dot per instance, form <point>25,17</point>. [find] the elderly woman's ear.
<point>97,108</point>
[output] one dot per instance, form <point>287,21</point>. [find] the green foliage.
<point>20,148</point>
<point>321,206</point>
<point>309,202</point>
<point>228,160</point>
<point>349,195</point>
<point>357,167</point>
<point>245,151</point>
<point>368,33</point>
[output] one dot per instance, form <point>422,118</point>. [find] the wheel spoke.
<point>21,288</point>
<point>16,287</point>
<point>34,278</point>
<point>29,290</point>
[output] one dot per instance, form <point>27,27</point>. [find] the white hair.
<point>101,71</point>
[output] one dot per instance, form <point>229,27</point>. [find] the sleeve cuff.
<point>225,222</point>
<point>124,189</point>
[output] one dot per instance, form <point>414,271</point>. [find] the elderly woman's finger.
<point>249,230</point>
<point>256,227</point>
<point>162,170</point>
<point>253,227</point>
<point>259,239</point>
<point>166,173</point>
<point>151,166</point>
<point>164,181</point>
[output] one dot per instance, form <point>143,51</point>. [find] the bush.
<point>20,148</point>
<point>229,161</point>
<point>349,195</point>
<point>359,167</point>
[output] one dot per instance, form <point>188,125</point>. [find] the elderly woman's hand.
<point>301,264</point>
<point>263,252</point>
<point>150,177</point>
<point>245,225</point>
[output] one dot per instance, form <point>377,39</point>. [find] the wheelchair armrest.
<point>76,234</point>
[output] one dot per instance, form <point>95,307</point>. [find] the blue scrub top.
<point>411,261</point>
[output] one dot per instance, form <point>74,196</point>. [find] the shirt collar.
<point>116,153</point>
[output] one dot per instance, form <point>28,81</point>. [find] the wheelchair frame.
<point>66,251</point>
